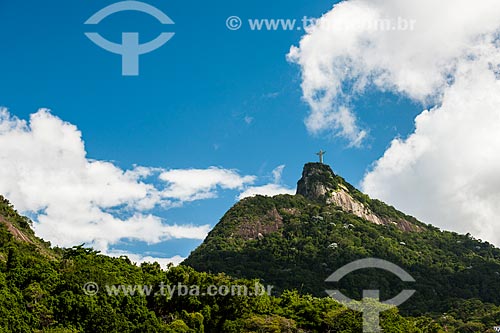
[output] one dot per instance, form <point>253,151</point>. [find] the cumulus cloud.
<point>446,171</point>
<point>196,184</point>
<point>45,172</point>
<point>139,258</point>
<point>164,262</point>
<point>349,50</point>
<point>270,189</point>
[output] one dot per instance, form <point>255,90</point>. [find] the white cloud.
<point>176,260</point>
<point>271,95</point>
<point>278,173</point>
<point>45,172</point>
<point>269,190</point>
<point>138,258</point>
<point>446,172</point>
<point>248,120</point>
<point>342,55</point>
<point>196,184</point>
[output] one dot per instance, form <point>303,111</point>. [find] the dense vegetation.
<point>301,242</point>
<point>42,288</point>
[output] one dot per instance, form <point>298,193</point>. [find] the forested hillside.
<point>44,289</point>
<point>297,241</point>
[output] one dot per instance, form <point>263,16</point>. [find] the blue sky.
<point>208,97</point>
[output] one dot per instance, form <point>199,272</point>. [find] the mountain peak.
<point>320,184</point>
<point>296,241</point>
<point>317,181</point>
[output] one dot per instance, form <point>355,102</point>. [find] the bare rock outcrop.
<point>320,184</point>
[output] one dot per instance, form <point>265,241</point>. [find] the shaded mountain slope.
<point>42,288</point>
<point>296,242</point>
<point>15,228</point>
<point>42,293</point>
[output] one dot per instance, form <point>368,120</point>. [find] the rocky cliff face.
<point>317,181</point>
<point>320,184</point>
<point>19,228</point>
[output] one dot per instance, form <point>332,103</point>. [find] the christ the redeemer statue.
<point>320,154</point>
